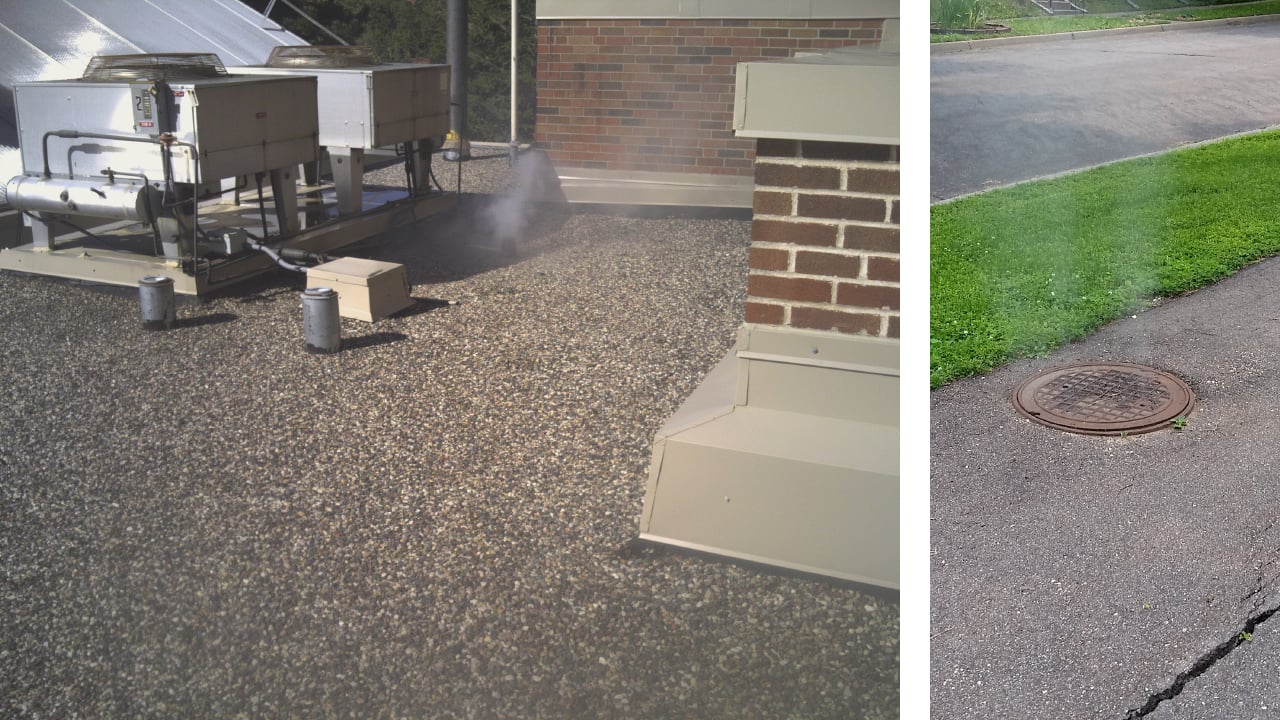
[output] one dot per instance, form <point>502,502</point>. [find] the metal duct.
<point>456,57</point>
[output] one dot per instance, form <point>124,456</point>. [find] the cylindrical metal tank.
<point>96,198</point>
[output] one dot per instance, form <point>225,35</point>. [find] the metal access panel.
<point>238,126</point>
<point>376,106</point>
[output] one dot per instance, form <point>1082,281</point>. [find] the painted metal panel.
<point>180,25</point>
<point>244,126</point>
<point>788,489</point>
<point>378,106</point>
<point>839,97</point>
<point>786,457</point>
<point>55,39</point>
<point>635,187</point>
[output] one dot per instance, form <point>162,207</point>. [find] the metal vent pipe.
<point>515,75</point>
<point>456,56</point>
<point>155,296</point>
<point>321,326</point>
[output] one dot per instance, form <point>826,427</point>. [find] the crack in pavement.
<point>1205,662</point>
<point>1266,581</point>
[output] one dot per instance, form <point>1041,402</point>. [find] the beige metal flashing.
<point>617,187</point>
<point>787,455</point>
<point>723,9</point>
<point>843,96</point>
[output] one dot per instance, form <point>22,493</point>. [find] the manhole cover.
<point>1104,398</point>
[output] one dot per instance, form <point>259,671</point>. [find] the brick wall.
<point>657,95</point>
<point>824,238</point>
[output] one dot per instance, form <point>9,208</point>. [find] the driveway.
<point>1082,577</point>
<point>1014,112</point>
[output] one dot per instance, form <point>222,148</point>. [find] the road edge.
<point>947,48</point>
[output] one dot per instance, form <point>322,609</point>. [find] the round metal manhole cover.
<point>1104,399</point>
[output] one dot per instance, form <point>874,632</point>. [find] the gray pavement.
<point>1076,576</point>
<point>1011,112</point>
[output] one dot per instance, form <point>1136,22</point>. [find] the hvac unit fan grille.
<point>322,56</point>
<point>161,66</point>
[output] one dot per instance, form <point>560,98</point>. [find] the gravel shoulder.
<point>435,522</point>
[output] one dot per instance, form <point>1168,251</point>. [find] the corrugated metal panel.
<point>55,39</point>
<point>180,25</point>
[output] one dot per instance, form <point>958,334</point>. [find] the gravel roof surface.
<point>435,522</point>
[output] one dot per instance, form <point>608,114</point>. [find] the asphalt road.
<point>1014,112</point>
<point>1076,576</point>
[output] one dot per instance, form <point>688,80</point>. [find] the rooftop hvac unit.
<point>130,170</point>
<point>137,126</point>
<point>365,104</point>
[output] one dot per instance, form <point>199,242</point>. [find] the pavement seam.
<point>1202,665</point>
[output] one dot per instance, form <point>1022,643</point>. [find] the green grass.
<point>1121,6</point>
<point>1020,271</point>
<point>1051,25</point>
<point>1220,12</point>
<point>1045,25</point>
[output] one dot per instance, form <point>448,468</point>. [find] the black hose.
<point>258,244</point>
<point>432,172</point>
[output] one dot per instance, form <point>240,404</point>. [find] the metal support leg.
<point>170,237</point>
<point>422,165</point>
<point>348,178</point>
<point>43,231</point>
<point>284,189</point>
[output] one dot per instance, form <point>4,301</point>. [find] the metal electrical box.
<point>237,125</point>
<point>368,290</point>
<point>369,104</point>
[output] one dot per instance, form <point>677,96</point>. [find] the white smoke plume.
<point>534,181</point>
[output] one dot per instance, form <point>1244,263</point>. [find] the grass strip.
<point>1020,271</point>
<point>1222,12</point>
<point>1024,26</point>
<point>1052,25</point>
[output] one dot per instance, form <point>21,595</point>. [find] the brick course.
<point>825,238</point>
<point>656,95</point>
